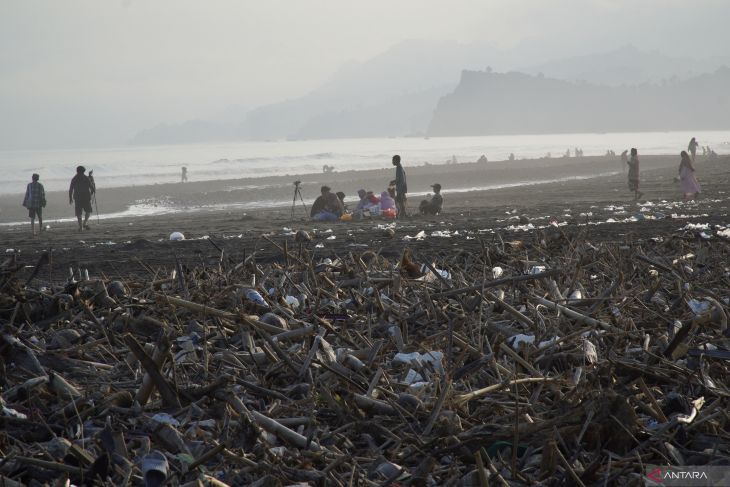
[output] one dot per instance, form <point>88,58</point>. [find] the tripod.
<point>297,193</point>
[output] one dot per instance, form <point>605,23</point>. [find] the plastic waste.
<point>177,236</point>
<point>537,269</point>
<point>164,418</point>
<point>517,340</point>
<point>254,296</point>
<point>155,469</point>
<point>699,307</point>
<point>497,272</point>
<point>433,358</point>
<point>576,295</point>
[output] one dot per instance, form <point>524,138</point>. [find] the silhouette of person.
<point>633,164</point>
<point>692,148</point>
<point>401,188</point>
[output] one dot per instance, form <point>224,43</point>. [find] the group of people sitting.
<point>330,206</point>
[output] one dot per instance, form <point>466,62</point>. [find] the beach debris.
<point>539,359</point>
<point>176,236</point>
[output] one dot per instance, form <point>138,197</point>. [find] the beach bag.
<point>346,217</point>
<point>389,213</point>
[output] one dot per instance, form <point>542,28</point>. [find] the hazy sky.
<point>93,72</point>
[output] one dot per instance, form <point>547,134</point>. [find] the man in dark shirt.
<point>434,206</point>
<point>80,191</point>
<point>327,206</point>
<point>401,188</point>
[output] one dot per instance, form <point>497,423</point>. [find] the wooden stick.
<point>496,387</point>
<point>169,396</point>
<point>273,426</point>
<point>574,314</point>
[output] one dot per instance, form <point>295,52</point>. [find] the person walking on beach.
<point>184,178</point>
<point>687,180</point>
<point>80,191</point>
<point>401,188</point>
<point>35,201</point>
<point>633,164</point>
<point>692,148</point>
<point>624,159</point>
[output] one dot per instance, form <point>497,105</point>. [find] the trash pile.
<point>551,360</point>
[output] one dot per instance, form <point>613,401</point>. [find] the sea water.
<point>142,165</point>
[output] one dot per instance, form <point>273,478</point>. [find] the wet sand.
<point>133,246</point>
<point>256,193</point>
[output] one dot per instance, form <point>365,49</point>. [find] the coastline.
<point>272,192</point>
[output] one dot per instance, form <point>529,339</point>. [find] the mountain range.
<point>396,92</point>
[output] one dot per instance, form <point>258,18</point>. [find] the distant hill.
<point>392,93</point>
<point>626,65</point>
<point>486,103</point>
<point>395,92</point>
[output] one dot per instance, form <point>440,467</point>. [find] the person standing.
<point>687,180</point>
<point>80,191</point>
<point>184,178</point>
<point>633,163</point>
<point>401,188</point>
<point>692,148</point>
<point>624,159</point>
<point>35,201</point>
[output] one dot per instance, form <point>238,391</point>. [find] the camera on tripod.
<point>297,194</point>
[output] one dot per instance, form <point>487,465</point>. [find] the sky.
<point>82,73</point>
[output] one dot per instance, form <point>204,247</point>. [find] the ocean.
<point>141,165</point>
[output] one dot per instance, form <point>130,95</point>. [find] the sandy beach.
<point>222,215</point>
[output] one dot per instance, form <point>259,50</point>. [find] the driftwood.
<point>552,360</point>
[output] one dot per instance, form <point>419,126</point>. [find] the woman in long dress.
<point>633,164</point>
<point>687,180</point>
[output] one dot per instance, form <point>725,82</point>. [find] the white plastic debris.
<point>537,269</point>
<point>699,307</point>
<point>177,236</point>
<point>497,272</point>
<point>590,352</point>
<point>433,358</point>
<point>412,377</point>
<point>164,418</point>
<point>576,295</point>
<point>419,236</point>
<point>292,301</point>
<point>548,343</point>
<point>517,340</point>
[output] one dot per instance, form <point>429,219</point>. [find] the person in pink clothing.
<point>386,201</point>
<point>687,180</point>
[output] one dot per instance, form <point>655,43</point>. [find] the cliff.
<point>486,103</point>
